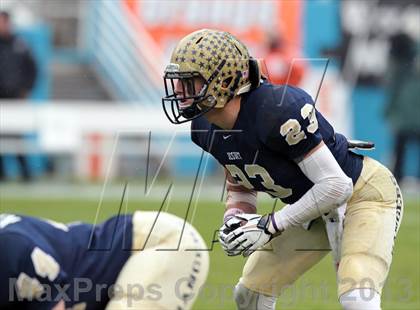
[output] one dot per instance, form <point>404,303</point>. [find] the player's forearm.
<point>60,306</point>
<point>239,199</point>
<point>308,207</point>
<point>331,189</point>
<point>237,208</point>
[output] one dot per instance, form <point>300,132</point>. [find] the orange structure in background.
<point>286,24</point>
<point>95,159</point>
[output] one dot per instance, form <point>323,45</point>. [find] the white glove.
<point>245,233</point>
<point>229,226</point>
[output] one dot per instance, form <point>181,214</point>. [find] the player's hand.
<point>230,225</point>
<point>248,232</point>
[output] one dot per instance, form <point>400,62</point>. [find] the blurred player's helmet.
<point>220,60</point>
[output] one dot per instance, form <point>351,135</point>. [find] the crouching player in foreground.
<point>270,138</point>
<point>127,262</point>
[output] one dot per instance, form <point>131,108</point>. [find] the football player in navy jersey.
<point>118,264</point>
<point>270,138</point>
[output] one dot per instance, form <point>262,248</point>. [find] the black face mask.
<point>172,102</point>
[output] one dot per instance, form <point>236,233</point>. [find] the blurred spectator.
<point>281,67</point>
<point>17,76</point>
<point>403,109</point>
<point>18,70</point>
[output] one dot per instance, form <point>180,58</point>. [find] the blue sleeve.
<point>21,272</point>
<point>290,127</point>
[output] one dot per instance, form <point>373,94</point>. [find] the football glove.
<point>230,225</point>
<point>245,233</point>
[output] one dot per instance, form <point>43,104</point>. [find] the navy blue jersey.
<point>53,261</point>
<point>275,128</point>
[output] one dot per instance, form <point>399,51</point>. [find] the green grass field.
<point>315,290</point>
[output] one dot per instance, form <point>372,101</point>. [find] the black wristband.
<point>264,222</point>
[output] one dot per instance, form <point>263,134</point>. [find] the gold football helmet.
<point>223,64</point>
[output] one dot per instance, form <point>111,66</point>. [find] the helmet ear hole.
<point>226,82</point>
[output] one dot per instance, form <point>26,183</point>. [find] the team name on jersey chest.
<point>234,156</point>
